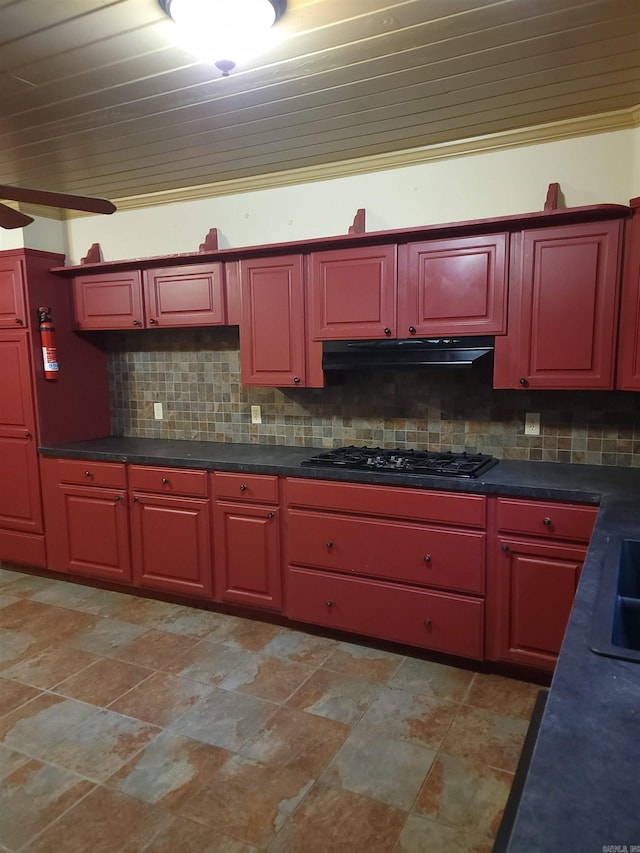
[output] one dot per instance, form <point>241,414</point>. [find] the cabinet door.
<point>353,293</point>
<point>171,544</point>
<point>629,344</point>
<point>453,287</point>
<point>247,554</point>
<point>563,300</point>
<point>13,312</point>
<point>97,532</point>
<point>20,501</point>
<point>272,331</point>
<point>185,296</point>
<point>108,300</point>
<point>533,589</point>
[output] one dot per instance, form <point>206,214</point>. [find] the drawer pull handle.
<point>427,623</point>
<point>427,558</point>
<point>88,474</point>
<point>505,547</point>
<point>165,481</point>
<point>329,603</point>
<point>329,544</point>
<point>270,514</point>
<point>546,521</point>
<point>243,488</point>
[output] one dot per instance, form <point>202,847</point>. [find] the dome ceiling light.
<point>224,32</point>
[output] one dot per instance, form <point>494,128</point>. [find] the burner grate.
<point>424,462</point>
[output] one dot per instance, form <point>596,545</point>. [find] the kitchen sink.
<point>616,625</point>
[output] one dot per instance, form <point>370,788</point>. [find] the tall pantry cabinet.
<point>35,410</point>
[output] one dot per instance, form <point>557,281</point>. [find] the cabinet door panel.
<point>455,286</point>
<point>353,293</point>
<point>413,553</point>
<point>247,555</point>
<point>629,345</point>
<point>185,296</point>
<point>108,301</point>
<point>272,332</point>
<point>171,543</point>
<point>97,532</point>
<point>535,586</point>
<point>431,620</point>
<point>13,312</point>
<point>16,398</point>
<point>20,501</point>
<point>562,319</point>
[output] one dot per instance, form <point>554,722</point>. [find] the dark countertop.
<point>581,788</point>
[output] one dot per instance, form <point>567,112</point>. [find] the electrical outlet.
<point>532,423</point>
<point>256,415</point>
<point>157,411</point>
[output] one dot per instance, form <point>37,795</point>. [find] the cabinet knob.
<point>412,330</point>
<point>505,547</point>
<point>271,515</point>
<point>19,321</point>
<point>152,322</point>
<point>296,380</point>
<point>329,603</point>
<point>28,434</point>
<point>137,323</point>
<point>427,558</point>
<point>524,382</point>
<point>547,521</point>
<point>243,488</point>
<point>88,474</point>
<point>134,500</point>
<point>329,544</point>
<point>118,498</point>
<point>427,623</point>
<point>387,331</point>
<point>165,481</point>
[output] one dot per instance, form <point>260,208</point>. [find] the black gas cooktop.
<point>427,462</point>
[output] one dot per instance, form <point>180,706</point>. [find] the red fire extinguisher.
<point>48,342</point>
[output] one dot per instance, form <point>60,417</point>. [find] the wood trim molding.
<point>554,131</point>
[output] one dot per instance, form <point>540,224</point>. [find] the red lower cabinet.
<point>432,620</point>
<point>170,538</point>
<point>247,555</point>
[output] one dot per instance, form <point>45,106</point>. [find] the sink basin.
<point>616,625</point>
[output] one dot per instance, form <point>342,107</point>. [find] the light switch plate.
<point>157,411</point>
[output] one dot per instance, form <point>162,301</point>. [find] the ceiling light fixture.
<point>224,31</point>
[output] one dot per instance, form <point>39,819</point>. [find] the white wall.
<point>601,168</point>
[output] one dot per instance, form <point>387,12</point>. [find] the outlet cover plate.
<point>532,423</point>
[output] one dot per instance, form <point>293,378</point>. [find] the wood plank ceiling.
<point>96,98</point>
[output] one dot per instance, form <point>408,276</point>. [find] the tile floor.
<point>128,724</point>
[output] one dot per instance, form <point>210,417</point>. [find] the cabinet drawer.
<point>394,502</point>
<point>414,553</point>
<point>246,487</point>
<point>446,623</point>
<point>542,518</point>
<point>90,473</point>
<point>172,481</point>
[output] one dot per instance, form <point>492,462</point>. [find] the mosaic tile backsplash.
<point>195,374</point>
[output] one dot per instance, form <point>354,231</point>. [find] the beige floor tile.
<point>336,696</point>
<point>363,662</point>
<point>444,682</point>
<point>161,699</point>
<point>103,682</point>
<point>269,678</point>
<point>487,738</point>
<point>181,835</point>
<point>506,696</point>
<point>155,649</point>
<point>50,666</point>
<point>421,835</point>
<point>13,694</point>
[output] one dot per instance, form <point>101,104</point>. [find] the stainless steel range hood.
<point>406,352</point>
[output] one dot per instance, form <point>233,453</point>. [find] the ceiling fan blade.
<point>10,218</point>
<point>51,199</point>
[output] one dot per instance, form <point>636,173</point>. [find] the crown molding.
<point>537,134</point>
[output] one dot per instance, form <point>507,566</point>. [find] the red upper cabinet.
<point>171,296</point>
<point>108,300</point>
<point>454,286</point>
<point>563,302</point>
<point>185,296</point>
<point>273,341</point>
<point>353,293</point>
<point>13,313</point>
<point>629,342</point>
